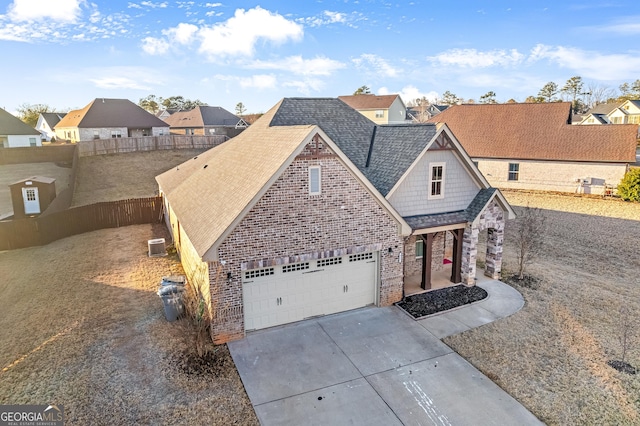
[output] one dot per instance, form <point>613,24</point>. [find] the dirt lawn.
<point>552,356</point>
<point>81,326</point>
<point>121,176</point>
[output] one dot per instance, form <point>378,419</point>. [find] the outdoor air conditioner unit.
<point>156,247</point>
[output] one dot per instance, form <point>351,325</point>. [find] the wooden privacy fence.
<point>148,143</point>
<point>45,229</point>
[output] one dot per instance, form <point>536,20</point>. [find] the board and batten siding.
<point>559,176</point>
<point>412,196</point>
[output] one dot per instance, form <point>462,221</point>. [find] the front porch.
<point>439,279</point>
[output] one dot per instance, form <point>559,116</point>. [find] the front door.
<point>31,200</point>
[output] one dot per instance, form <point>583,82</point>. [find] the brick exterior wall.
<point>553,175</point>
<point>441,248</point>
<point>288,225</point>
<point>492,219</point>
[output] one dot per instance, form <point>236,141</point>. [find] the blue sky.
<point>65,53</point>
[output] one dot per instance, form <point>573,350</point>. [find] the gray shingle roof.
<point>104,112</point>
<point>203,116</point>
<point>452,218</point>
<point>12,125</point>
<point>53,118</point>
<point>381,153</point>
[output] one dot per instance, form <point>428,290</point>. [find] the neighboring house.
<point>381,109</point>
<point>106,118</point>
<point>164,113</point>
<point>627,113</point>
<point>46,123</point>
<point>598,114</point>
<point>315,209</point>
<point>206,120</point>
<point>421,114</point>
<point>533,146</point>
<point>15,133</point>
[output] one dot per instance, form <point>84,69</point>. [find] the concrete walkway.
<point>377,366</point>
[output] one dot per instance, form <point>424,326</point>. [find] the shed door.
<point>31,200</point>
<point>289,293</point>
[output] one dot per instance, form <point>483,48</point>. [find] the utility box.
<point>32,196</point>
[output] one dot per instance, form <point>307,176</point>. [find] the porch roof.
<point>447,220</point>
<point>436,220</point>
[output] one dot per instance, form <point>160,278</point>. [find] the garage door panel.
<point>290,293</point>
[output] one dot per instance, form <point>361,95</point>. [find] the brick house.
<point>205,120</point>
<point>314,209</point>
<point>534,146</point>
<point>105,118</point>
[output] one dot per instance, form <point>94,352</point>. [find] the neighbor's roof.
<point>202,116</point>
<point>53,118</point>
<point>103,112</point>
<point>12,125</point>
<point>368,101</point>
<point>41,179</point>
<point>382,153</point>
<point>209,192</point>
<point>605,108</point>
<point>536,132</point>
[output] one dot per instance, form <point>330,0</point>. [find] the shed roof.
<point>536,132</point>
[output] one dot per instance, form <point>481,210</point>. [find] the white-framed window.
<point>315,180</point>
<point>379,113</point>
<point>514,171</point>
<point>419,248</point>
<point>116,133</point>
<point>32,142</point>
<point>436,180</point>
<point>96,134</point>
<point>160,132</point>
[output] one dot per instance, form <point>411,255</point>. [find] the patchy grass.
<point>553,355</point>
<point>121,176</point>
<point>82,326</point>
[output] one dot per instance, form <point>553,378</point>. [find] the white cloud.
<point>154,46</point>
<point>590,64</point>
<point>263,81</point>
<point>182,34</point>
<point>112,78</point>
<point>305,87</point>
<point>37,10</point>
<point>154,5</point>
<point>329,17</point>
<point>473,58</point>
<point>628,26</point>
<point>239,35</point>
<point>298,65</point>
<point>213,5</point>
<point>118,83</point>
<point>376,65</point>
<point>411,93</point>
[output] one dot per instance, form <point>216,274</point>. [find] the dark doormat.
<point>431,302</point>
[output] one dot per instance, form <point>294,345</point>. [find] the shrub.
<point>629,188</point>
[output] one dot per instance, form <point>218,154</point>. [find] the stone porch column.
<point>493,261</point>
<point>469,254</point>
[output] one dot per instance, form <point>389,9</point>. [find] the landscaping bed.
<point>444,299</point>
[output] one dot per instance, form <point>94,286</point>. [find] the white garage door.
<point>289,293</point>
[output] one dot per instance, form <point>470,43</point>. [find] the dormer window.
<point>436,180</point>
<point>314,180</point>
<point>379,113</point>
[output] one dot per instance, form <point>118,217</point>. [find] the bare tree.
<point>420,109</point>
<point>598,94</point>
<point>627,331</point>
<point>530,227</point>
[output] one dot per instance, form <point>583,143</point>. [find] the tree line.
<point>583,96</point>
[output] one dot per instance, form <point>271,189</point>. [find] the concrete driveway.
<point>371,366</point>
